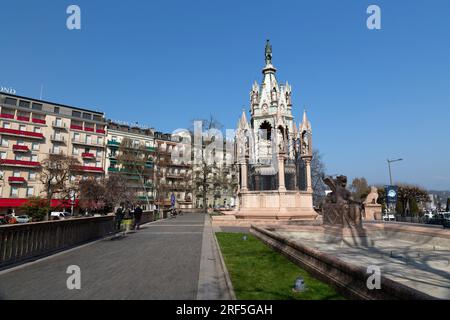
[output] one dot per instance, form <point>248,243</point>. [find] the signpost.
<point>391,197</point>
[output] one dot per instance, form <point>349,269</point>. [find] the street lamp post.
<point>389,166</point>
<point>390,177</point>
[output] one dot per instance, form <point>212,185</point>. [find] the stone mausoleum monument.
<point>273,154</point>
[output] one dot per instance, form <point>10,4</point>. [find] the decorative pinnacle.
<point>268,52</point>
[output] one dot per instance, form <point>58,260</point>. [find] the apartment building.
<point>217,174</point>
<point>141,141</point>
<point>173,177</point>
<point>30,130</point>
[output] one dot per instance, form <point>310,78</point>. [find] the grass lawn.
<point>259,273</point>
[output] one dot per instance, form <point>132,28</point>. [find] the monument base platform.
<point>275,205</point>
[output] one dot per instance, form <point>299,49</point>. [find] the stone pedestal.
<point>372,212</point>
<point>276,205</point>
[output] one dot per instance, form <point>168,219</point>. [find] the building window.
<point>114,138</point>
<point>14,191</point>
<point>99,153</point>
<point>37,130</point>
<point>59,122</point>
<point>18,157</point>
<point>11,101</point>
<point>89,139</point>
<point>3,155</point>
<point>32,176</point>
<point>16,174</point>
<point>76,136</point>
<point>36,106</point>
<point>98,164</point>
<point>24,104</point>
<point>56,110</point>
<point>56,149</point>
<point>97,118</point>
<point>4,142</point>
<point>30,192</point>
<point>35,146</point>
<point>100,140</point>
<point>76,114</point>
<point>23,127</point>
<point>87,116</point>
<point>75,151</point>
<point>6,125</point>
<point>34,158</point>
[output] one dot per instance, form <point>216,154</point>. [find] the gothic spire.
<point>305,125</point>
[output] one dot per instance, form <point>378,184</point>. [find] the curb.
<point>225,270</point>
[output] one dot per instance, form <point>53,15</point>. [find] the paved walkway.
<point>161,261</point>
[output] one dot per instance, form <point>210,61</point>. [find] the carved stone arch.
<point>266,125</point>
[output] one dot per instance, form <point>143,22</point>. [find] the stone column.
<point>308,175</point>
<point>244,177</point>
<point>281,182</point>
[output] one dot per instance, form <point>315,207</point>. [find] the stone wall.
<point>21,242</point>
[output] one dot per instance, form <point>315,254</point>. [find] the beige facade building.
<point>30,130</point>
<point>139,139</point>
<point>173,177</point>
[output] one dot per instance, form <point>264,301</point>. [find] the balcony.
<point>112,143</point>
<point>59,139</point>
<point>76,127</point>
<point>87,143</point>
<point>89,169</point>
<point>53,151</point>
<point>18,148</point>
<point>38,121</point>
<point>59,125</point>
<point>6,116</point>
<point>88,129</point>
<point>16,180</point>
<point>22,118</point>
<point>19,163</point>
<point>101,131</point>
<point>175,176</point>
<point>20,133</point>
<point>87,155</point>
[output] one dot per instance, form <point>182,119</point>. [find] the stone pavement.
<point>161,261</point>
<point>412,262</point>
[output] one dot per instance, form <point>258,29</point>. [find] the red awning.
<point>15,203</point>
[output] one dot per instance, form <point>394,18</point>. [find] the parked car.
<point>389,217</point>
<point>58,215</point>
<point>23,219</point>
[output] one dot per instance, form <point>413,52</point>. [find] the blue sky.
<point>370,94</point>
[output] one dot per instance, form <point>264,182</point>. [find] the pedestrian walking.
<point>137,217</point>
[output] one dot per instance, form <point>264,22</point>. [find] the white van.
<point>388,217</point>
<point>58,215</point>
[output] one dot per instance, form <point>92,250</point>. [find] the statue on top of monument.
<point>268,53</point>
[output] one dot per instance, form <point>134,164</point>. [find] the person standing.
<point>137,217</point>
<point>120,214</point>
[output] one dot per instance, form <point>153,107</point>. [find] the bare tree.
<point>317,175</point>
<point>55,174</point>
<point>360,188</point>
<point>161,188</point>
<point>92,195</point>
<point>136,160</point>
<point>208,175</point>
<point>117,191</point>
